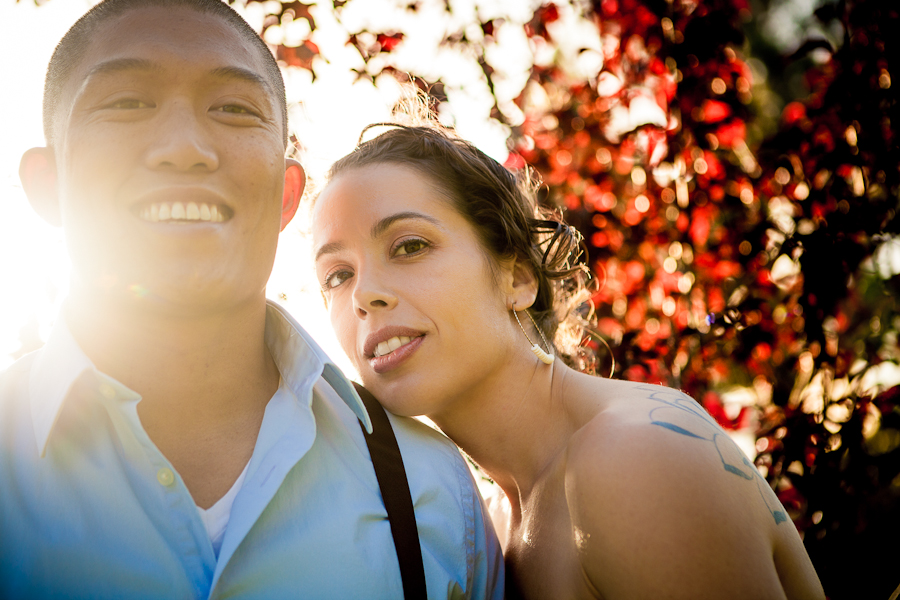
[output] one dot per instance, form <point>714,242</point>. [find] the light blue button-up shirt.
<point>90,508</point>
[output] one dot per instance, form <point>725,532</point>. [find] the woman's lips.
<point>392,360</point>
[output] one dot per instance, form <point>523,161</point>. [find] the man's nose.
<point>182,142</point>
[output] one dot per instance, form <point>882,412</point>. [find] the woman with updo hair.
<point>454,295</point>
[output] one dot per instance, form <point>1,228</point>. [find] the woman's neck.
<point>515,426</point>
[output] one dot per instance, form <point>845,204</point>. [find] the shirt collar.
<point>301,361</point>
<point>56,368</point>
<point>60,363</point>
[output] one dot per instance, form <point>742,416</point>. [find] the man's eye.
<point>410,247</point>
<point>333,280</point>
<point>129,104</point>
<point>234,109</point>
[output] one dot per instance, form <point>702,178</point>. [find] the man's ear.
<point>294,182</point>
<point>519,283</point>
<point>37,170</point>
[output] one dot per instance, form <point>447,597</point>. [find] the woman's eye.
<point>333,280</point>
<point>410,247</point>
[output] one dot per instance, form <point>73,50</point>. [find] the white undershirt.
<point>215,518</point>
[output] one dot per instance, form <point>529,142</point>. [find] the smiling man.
<point>179,436</point>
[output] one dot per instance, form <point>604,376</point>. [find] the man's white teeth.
<point>178,211</point>
<point>390,345</point>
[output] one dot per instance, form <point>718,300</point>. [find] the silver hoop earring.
<point>544,357</point>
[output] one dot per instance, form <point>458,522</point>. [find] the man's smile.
<point>183,212</point>
<point>182,205</point>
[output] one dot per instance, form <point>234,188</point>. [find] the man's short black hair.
<point>73,46</point>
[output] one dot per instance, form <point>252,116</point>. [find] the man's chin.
<point>170,298</point>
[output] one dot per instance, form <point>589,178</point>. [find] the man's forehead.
<point>190,43</point>
<point>145,34</point>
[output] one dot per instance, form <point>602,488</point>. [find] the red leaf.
<point>600,239</point>
<point>548,13</point>
<point>514,161</point>
<point>609,7</point>
<point>731,133</point>
<point>389,42</point>
<point>793,112</point>
<point>700,227</point>
<point>725,269</point>
<point>714,168</point>
<point>715,111</point>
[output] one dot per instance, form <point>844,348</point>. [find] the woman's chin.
<point>397,397</point>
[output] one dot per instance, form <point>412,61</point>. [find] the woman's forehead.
<point>385,185</point>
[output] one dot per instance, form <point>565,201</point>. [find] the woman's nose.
<point>371,294</point>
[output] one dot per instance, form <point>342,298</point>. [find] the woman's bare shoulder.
<point>663,439</point>
<point>659,494</point>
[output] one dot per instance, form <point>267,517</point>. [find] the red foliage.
<point>389,42</point>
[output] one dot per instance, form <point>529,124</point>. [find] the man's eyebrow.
<point>118,65</point>
<point>242,75</point>
<point>377,229</point>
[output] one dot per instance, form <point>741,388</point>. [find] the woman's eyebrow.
<point>329,249</point>
<point>377,229</point>
<point>382,225</point>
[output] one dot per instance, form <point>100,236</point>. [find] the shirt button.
<point>107,391</point>
<point>165,476</point>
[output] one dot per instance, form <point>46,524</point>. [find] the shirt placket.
<point>166,500</point>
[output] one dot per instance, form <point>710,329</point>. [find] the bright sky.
<point>33,261</point>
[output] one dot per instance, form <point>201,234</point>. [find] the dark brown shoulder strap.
<point>394,486</point>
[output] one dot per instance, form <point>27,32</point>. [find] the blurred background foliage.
<point>734,167</point>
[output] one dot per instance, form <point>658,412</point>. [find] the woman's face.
<point>410,292</point>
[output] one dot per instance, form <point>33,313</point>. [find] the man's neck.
<point>167,356</point>
<point>205,381</point>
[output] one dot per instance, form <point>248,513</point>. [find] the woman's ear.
<point>37,171</point>
<point>520,284</point>
<point>294,183</point>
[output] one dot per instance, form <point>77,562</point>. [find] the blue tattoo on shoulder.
<point>694,422</point>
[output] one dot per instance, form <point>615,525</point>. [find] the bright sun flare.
<point>326,115</point>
